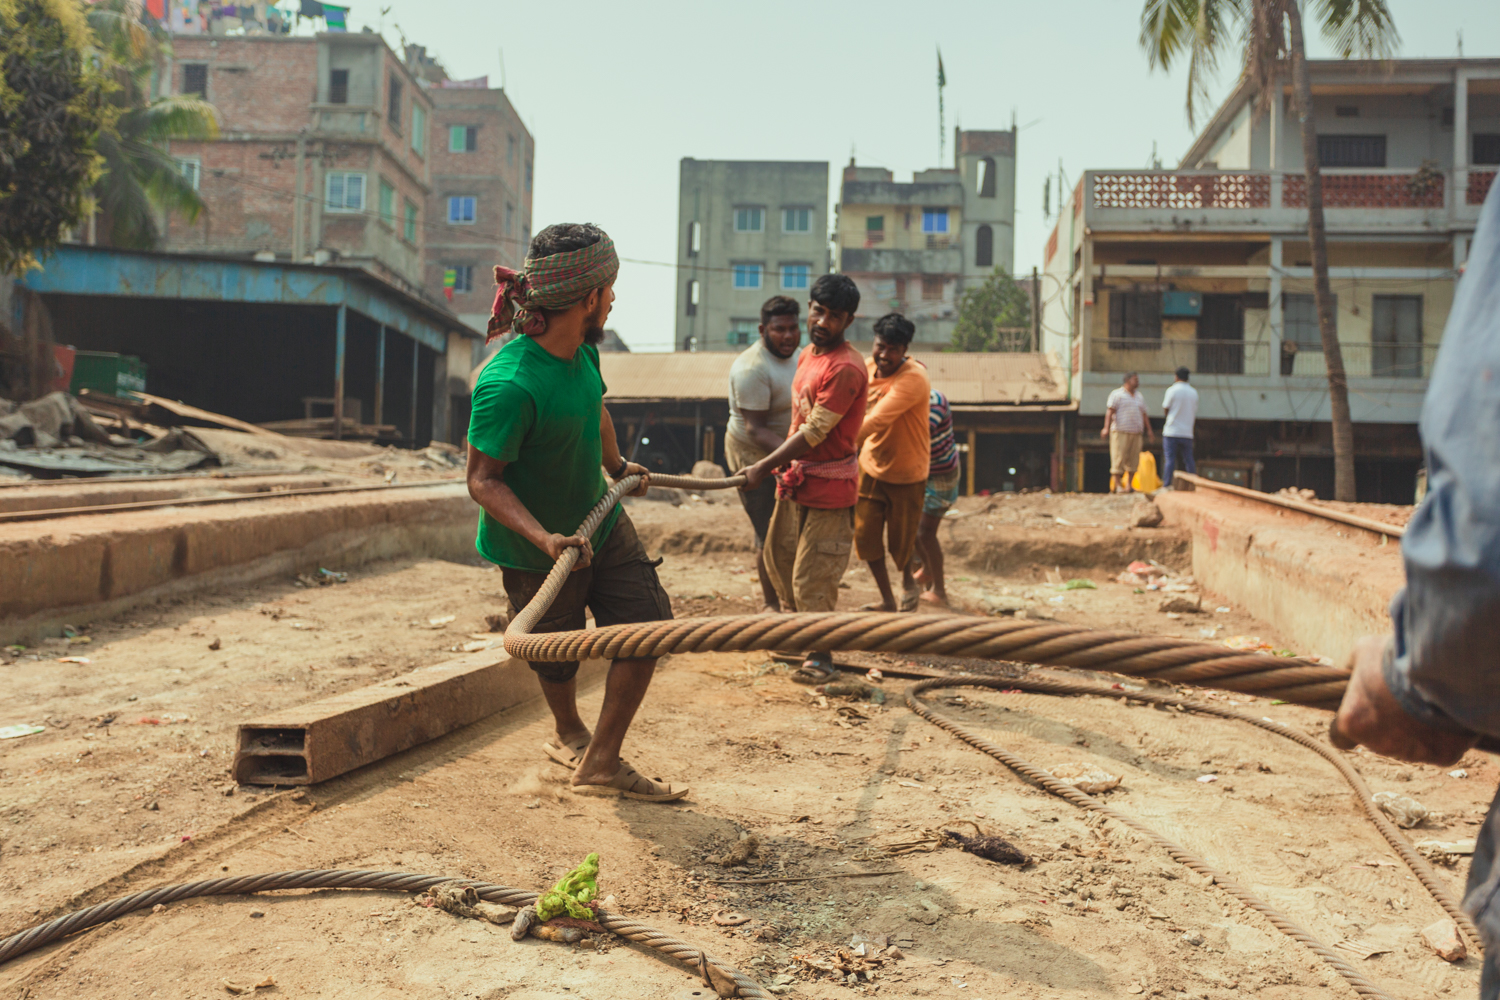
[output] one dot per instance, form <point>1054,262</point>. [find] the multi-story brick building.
<point>914,247</point>
<point>323,152</point>
<point>479,208</point>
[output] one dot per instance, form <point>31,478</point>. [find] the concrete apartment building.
<point>913,247</point>
<point>1208,266</point>
<point>479,209</point>
<point>747,230</point>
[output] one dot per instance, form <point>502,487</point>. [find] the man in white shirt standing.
<point>760,415</point>
<point>1125,422</point>
<point>1180,404</point>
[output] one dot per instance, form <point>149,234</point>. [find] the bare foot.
<point>878,606</point>
<point>920,575</point>
<point>769,609</point>
<point>934,598</point>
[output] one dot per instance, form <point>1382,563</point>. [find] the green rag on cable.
<point>572,893</point>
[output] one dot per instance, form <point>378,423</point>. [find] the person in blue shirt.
<point>1429,691</point>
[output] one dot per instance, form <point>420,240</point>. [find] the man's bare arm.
<point>487,487</point>
<point>760,432</point>
<point>612,454</point>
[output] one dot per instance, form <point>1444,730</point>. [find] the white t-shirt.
<point>759,380</point>
<point>1130,410</point>
<point>1181,402</point>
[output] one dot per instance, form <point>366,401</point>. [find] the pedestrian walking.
<point>1180,404</point>
<point>895,447</point>
<point>812,528</point>
<point>539,435</point>
<point>1126,422</point>
<point>760,416</point>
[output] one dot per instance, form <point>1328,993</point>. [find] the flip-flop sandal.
<point>566,754</point>
<point>909,600</point>
<point>631,784</point>
<point>816,670</point>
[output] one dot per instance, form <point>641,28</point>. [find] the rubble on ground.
<point>58,435</point>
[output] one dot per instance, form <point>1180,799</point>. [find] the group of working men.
<point>848,468</point>
<point>839,453</point>
<point>1127,426</point>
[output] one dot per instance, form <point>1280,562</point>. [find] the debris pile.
<point>61,435</point>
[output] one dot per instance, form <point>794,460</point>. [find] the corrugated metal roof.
<point>964,378</point>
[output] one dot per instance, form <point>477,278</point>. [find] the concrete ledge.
<point>1324,584</point>
<point>93,565</point>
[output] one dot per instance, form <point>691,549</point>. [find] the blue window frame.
<point>461,209</point>
<point>795,276</point>
<point>747,275</point>
<point>749,220</point>
<point>934,220</point>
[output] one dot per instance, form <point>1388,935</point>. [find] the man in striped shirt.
<point>1125,422</point>
<point>942,491</point>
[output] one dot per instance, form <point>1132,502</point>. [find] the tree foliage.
<point>141,180</point>
<point>53,107</point>
<point>995,316</point>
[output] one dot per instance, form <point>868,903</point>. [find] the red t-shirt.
<point>835,381</point>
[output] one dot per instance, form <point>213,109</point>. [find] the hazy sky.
<point>616,94</point>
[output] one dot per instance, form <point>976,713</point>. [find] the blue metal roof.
<point>84,270</point>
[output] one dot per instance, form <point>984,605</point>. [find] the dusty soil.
<point>149,722</point>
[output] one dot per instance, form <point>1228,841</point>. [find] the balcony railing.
<point>1159,189</point>
<point>1479,186</point>
<point>1367,361</point>
<point>874,237</point>
<point>1208,357</point>
<point>1416,189</point>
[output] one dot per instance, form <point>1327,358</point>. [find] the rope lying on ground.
<point>1414,861</point>
<point>332,878</point>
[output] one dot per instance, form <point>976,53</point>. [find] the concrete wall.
<point>709,192</point>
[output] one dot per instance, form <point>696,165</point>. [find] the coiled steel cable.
<point>333,878</point>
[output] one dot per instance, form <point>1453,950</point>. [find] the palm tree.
<point>141,181</point>
<point>1271,35</point>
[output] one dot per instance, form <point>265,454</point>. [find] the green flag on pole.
<point>942,126</point>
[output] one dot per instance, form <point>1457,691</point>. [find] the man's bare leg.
<point>767,591</point>
<point>562,699</point>
<point>934,587</point>
<point>623,692</point>
<point>1114,483</point>
<point>883,581</point>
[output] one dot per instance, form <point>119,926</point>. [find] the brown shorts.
<point>807,551</point>
<point>620,587</point>
<point>893,510</point>
<point>1124,452</point>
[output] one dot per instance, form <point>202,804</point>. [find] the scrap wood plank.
<point>192,412</point>
<point>310,743</point>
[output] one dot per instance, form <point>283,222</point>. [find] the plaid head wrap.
<point>554,282</point>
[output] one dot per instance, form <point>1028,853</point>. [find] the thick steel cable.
<point>332,878</point>
<point>1180,854</point>
<point>1041,642</point>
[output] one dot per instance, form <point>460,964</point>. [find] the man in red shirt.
<point>817,470</point>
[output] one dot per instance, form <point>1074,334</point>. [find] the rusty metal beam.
<point>312,743</point>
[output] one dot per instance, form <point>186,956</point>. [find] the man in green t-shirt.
<point>539,436</point>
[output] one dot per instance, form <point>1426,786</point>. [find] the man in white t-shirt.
<point>760,415</point>
<point>1125,423</point>
<point>1180,404</point>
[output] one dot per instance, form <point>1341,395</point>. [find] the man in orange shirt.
<point>895,449</point>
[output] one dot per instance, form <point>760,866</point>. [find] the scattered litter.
<point>1211,632</point>
<point>1406,811</point>
<point>874,675</point>
<point>1460,773</point>
<point>988,846</point>
<point>1442,937</point>
<point>1446,846</point>
<point>21,729</point>
<point>1207,778</point>
<point>739,854</point>
<point>572,893</point>
<point>1078,583</point>
<point>464,901</point>
<point>441,621</point>
<point>1222,611</point>
<point>1089,780</point>
<point>725,918</point>
<point>238,988</point>
<point>1181,604</point>
<point>1249,644</point>
<point>74,659</point>
<point>475,645</point>
<point>1361,949</point>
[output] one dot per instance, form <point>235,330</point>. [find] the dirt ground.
<point>127,789</point>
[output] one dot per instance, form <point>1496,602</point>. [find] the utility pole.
<point>1036,310</point>
<point>299,237</point>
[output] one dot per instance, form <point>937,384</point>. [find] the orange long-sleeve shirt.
<point>894,438</point>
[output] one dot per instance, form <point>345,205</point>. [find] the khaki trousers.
<point>807,550</point>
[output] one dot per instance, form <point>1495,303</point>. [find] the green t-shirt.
<point>540,415</point>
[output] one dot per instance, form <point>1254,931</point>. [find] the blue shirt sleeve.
<point>1444,663</point>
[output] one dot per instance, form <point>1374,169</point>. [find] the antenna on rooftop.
<point>1460,43</point>
<point>502,69</point>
